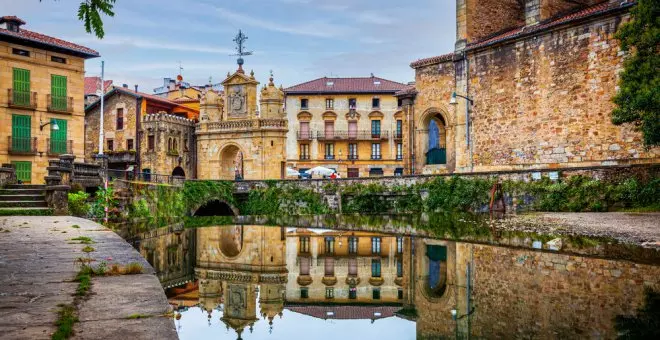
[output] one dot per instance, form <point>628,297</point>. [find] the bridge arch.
<point>215,207</point>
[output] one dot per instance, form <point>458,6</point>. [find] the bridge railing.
<point>131,175</point>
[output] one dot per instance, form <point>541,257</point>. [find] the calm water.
<point>257,281</point>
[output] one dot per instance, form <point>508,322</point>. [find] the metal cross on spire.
<point>240,47</point>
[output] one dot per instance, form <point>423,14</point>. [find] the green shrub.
<point>78,205</point>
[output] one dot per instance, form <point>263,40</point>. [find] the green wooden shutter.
<point>58,92</point>
<point>21,133</point>
<point>58,137</point>
<point>23,171</point>
<point>21,87</point>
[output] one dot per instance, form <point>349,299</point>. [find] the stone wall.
<point>174,144</point>
<point>119,136</point>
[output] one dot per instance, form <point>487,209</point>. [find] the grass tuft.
<point>75,226</point>
<point>133,268</point>
<point>83,240</point>
<point>88,249</point>
<point>138,316</point>
<point>66,317</point>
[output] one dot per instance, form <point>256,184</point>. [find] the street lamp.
<point>452,101</point>
<point>53,122</point>
<point>455,317</point>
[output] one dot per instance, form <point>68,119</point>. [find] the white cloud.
<point>138,42</point>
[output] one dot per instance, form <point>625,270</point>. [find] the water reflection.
<point>265,282</point>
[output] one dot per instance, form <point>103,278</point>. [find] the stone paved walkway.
<point>36,271</point>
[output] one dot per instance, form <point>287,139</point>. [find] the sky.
<point>299,40</point>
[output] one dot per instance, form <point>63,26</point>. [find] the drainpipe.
<point>138,133</point>
<point>467,111</point>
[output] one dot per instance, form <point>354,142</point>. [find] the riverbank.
<point>38,257</point>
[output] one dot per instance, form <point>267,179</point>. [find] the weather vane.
<point>240,48</point>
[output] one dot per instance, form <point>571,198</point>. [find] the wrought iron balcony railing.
<point>58,147</point>
<point>22,145</point>
<point>304,135</point>
<point>60,104</point>
<point>22,99</point>
<point>352,135</point>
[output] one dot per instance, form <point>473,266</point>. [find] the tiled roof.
<point>346,85</point>
<point>432,60</point>
<point>343,312</point>
<point>11,18</point>
<point>48,41</point>
<point>92,84</point>
<point>148,97</point>
<point>409,89</point>
<point>601,8</point>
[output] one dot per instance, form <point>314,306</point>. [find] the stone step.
<point>26,186</point>
<point>25,211</point>
<point>22,197</point>
<point>23,204</point>
<point>22,191</point>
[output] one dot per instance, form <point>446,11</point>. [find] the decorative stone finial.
<point>252,74</point>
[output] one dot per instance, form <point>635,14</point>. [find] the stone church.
<point>528,86</point>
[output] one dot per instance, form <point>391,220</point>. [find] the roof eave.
<point>46,46</point>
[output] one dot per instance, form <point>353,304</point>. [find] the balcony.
<point>59,147</point>
<point>60,104</point>
<point>304,157</point>
<point>121,156</point>
<point>376,157</point>
<point>22,99</point>
<point>353,157</point>
<point>399,157</point>
<point>329,157</point>
<point>304,135</point>
<point>398,135</point>
<point>351,135</point>
<point>22,145</point>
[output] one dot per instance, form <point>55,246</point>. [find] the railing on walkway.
<point>127,175</point>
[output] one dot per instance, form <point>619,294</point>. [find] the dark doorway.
<point>215,208</point>
<point>178,172</point>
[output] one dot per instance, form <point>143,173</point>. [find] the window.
<point>21,89</point>
<point>57,59</point>
<point>375,129</point>
<point>329,151</point>
<point>304,265</point>
<point>352,245</point>
<point>399,102</point>
<point>399,245</point>
<point>120,119</point>
<point>329,104</point>
<point>129,144</point>
<point>304,104</point>
<point>375,172</point>
<point>399,151</point>
<point>398,172</point>
<point>352,151</point>
<point>353,173</point>
<point>352,293</point>
<point>329,293</point>
<point>23,171</point>
<point>375,268</point>
<point>399,268</point>
<point>21,133</point>
<point>304,244</point>
<point>352,267</point>
<point>352,103</point>
<point>169,144</point>
<point>304,131</point>
<point>375,245</point>
<point>18,51</point>
<point>376,293</point>
<point>375,103</point>
<point>399,128</point>
<point>185,144</point>
<point>151,142</point>
<point>375,151</point>
<point>58,137</point>
<point>304,151</point>
<point>329,245</point>
<point>329,266</point>
<point>399,293</point>
<point>352,130</point>
<point>58,92</point>
<point>304,293</point>
<point>329,129</point>
<point>111,145</point>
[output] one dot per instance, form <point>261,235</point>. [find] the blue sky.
<point>298,39</point>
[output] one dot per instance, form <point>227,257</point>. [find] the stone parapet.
<point>168,118</point>
<point>248,125</point>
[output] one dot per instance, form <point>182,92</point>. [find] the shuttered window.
<point>21,133</point>
<point>58,137</point>
<point>23,171</point>
<point>21,90</point>
<point>58,92</point>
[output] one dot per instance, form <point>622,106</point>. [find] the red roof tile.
<point>343,312</point>
<point>93,83</point>
<point>42,39</point>
<point>410,89</point>
<point>346,85</point>
<point>11,18</point>
<point>602,8</point>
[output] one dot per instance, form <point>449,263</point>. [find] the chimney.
<point>124,86</point>
<point>136,88</point>
<point>11,23</point>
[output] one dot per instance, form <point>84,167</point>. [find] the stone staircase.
<point>23,199</point>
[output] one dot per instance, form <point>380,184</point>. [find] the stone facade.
<point>541,93</point>
<point>173,148</point>
<point>26,110</point>
<point>234,139</point>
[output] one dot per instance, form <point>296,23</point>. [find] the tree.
<point>89,12</point>
<point>638,99</point>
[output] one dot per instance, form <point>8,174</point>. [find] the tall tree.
<point>638,99</point>
<point>89,12</point>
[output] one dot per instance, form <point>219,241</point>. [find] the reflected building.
<point>237,264</point>
<point>171,252</point>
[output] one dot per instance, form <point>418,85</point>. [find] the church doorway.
<point>437,140</point>
<point>231,163</point>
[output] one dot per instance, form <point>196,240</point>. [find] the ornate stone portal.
<point>237,140</point>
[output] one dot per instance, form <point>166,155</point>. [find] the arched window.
<point>174,146</point>
<point>169,144</point>
<point>437,146</point>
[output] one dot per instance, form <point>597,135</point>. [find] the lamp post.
<point>469,103</point>
<point>53,124</point>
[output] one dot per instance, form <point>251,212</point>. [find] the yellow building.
<point>184,93</point>
<point>41,100</point>
<point>352,125</point>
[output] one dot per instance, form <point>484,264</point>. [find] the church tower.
<point>236,140</point>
